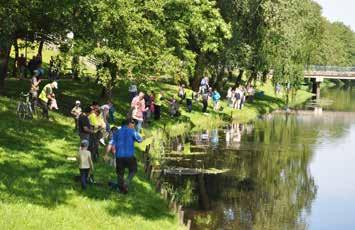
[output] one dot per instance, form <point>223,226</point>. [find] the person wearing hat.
<point>76,111</point>
<point>86,166</point>
<point>123,143</point>
<point>46,95</point>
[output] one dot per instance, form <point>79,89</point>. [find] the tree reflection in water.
<point>269,185</point>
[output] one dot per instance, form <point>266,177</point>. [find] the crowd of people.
<point>95,123</point>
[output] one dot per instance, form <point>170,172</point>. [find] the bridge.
<point>330,72</point>
<point>319,73</point>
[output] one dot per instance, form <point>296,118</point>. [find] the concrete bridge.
<point>319,73</point>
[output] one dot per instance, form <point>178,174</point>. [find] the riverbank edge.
<point>198,121</point>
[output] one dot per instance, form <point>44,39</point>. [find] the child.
<point>111,149</point>
<point>53,103</point>
<point>85,163</point>
<point>215,98</point>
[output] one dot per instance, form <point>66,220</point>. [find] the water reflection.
<point>268,185</point>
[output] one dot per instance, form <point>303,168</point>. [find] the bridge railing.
<point>330,68</point>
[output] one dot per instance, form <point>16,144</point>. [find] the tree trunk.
<point>239,78</point>
<point>40,47</point>
<point>264,77</point>
<point>14,67</point>
<point>230,73</point>
<point>199,69</point>
<point>254,75</point>
<point>5,49</point>
<point>220,75</point>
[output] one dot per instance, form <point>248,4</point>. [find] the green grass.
<point>37,189</point>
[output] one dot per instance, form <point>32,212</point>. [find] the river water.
<point>291,171</point>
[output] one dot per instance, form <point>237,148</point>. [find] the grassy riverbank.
<point>37,189</point>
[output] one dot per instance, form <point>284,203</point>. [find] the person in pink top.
<point>138,107</point>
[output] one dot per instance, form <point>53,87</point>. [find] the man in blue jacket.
<point>123,143</point>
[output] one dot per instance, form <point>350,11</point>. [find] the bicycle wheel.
<point>29,113</point>
<point>21,111</point>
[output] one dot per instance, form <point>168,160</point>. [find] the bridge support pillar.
<point>316,86</point>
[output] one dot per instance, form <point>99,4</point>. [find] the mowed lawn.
<point>37,186</point>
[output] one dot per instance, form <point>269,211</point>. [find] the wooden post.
<point>181,217</point>
<point>151,172</point>
<point>179,209</point>
<point>174,206</point>
<point>188,225</point>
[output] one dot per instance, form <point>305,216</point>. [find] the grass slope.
<point>37,189</point>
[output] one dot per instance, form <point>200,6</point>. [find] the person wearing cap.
<point>76,111</point>
<point>46,95</point>
<point>86,166</point>
<point>123,142</point>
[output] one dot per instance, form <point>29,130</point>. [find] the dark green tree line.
<point>182,40</point>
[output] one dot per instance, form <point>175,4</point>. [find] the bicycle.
<point>24,108</point>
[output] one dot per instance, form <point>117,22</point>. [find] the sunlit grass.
<point>38,190</point>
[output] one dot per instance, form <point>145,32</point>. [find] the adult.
<point>84,126</point>
<point>205,97</point>
<point>242,97</point>
<point>123,143</point>
<point>46,95</point>
<point>21,65</point>
<point>204,82</point>
<point>237,98</point>
<point>32,65</point>
<point>157,105</point>
<point>35,81</point>
<point>189,99</point>
<point>105,110</point>
<point>75,112</point>
<point>51,69</point>
<point>38,65</point>
<point>111,112</point>
<point>138,108</point>
<point>229,96</point>
<point>132,91</point>
<point>174,108</point>
<point>98,125</point>
<point>181,92</point>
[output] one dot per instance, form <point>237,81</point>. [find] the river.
<point>291,171</point>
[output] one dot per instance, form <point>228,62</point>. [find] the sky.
<point>339,10</point>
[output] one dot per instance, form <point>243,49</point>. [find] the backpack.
<point>237,95</point>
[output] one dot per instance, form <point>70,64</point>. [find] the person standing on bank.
<point>34,91</point>
<point>46,95</point>
<point>75,112</point>
<point>123,143</point>
<point>84,125</point>
<point>158,97</point>
<point>215,98</point>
